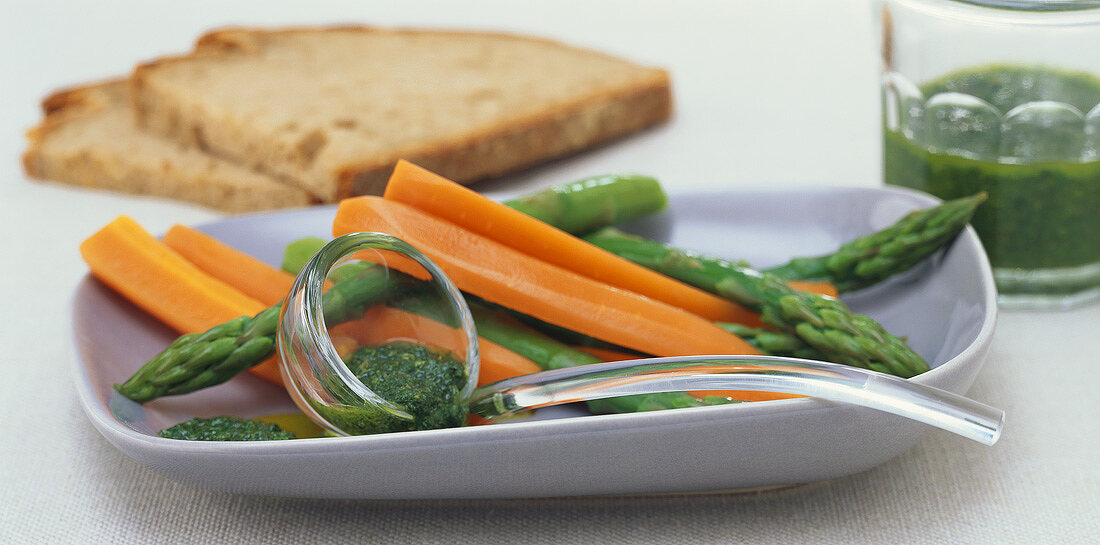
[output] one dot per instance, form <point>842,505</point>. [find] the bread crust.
<point>505,146</point>
<point>58,108</point>
<point>98,167</point>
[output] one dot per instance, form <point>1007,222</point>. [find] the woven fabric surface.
<point>66,484</point>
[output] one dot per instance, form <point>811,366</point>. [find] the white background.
<point>767,93</point>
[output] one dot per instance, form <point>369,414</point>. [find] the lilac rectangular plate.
<point>946,307</point>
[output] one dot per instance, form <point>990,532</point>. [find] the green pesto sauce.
<point>1039,215</point>
<point>425,381</point>
<point>225,428</point>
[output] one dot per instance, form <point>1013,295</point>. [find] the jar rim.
<point>1035,5</point>
<point>1023,13</point>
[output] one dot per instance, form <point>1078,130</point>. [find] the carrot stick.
<point>820,287</point>
<point>440,197</point>
<point>743,395</point>
<point>550,293</point>
<point>161,282</point>
<point>251,276</point>
<point>382,324</point>
<point>605,354</point>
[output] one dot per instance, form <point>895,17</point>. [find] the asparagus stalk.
<point>607,200</point>
<point>775,343</point>
<point>871,259</point>
<point>821,322</point>
<point>546,352</point>
<point>595,202</point>
<point>298,253</point>
<point>206,359</point>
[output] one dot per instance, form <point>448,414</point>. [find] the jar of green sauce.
<point>1003,96</point>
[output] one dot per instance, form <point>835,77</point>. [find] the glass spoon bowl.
<point>330,393</point>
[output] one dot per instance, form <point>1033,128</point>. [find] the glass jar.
<point>338,295</point>
<point>1003,96</point>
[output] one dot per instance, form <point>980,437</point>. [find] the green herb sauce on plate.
<point>427,382</point>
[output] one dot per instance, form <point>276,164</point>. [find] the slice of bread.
<point>89,138</point>
<point>332,109</point>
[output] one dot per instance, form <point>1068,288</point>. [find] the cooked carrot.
<point>605,354</point>
<point>550,293</point>
<point>161,282</point>
<point>743,395</point>
<point>438,196</point>
<point>269,370</point>
<point>820,287</point>
<point>382,324</point>
<point>251,276</point>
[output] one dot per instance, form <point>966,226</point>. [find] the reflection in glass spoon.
<point>329,392</point>
<point>830,381</point>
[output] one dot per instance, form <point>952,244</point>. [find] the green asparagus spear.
<point>298,253</point>
<point>595,202</point>
<point>822,322</point>
<point>607,200</point>
<point>873,258</point>
<point>206,359</point>
<point>775,343</point>
<point>652,402</point>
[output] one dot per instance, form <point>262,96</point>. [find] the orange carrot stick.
<point>251,276</point>
<point>445,199</point>
<point>605,354</point>
<point>247,274</point>
<point>820,287</point>
<point>440,197</point>
<point>383,324</point>
<point>743,395</point>
<point>550,293</point>
<point>161,282</point>
<point>129,260</point>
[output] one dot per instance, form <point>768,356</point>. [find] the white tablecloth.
<point>766,93</point>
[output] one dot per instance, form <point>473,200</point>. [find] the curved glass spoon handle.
<point>834,382</point>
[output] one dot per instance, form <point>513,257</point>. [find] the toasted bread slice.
<point>333,109</point>
<point>89,138</point>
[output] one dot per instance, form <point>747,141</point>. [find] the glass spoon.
<point>324,387</point>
